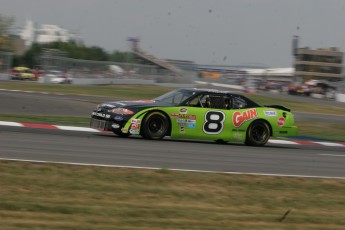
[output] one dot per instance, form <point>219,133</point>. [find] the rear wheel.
<point>258,133</point>
<point>155,126</point>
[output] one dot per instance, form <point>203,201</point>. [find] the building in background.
<point>325,64</point>
<point>45,34</point>
<point>320,64</point>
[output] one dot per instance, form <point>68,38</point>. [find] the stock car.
<point>191,113</point>
<point>22,73</point>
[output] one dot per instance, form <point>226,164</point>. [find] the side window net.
<point>239,103</point>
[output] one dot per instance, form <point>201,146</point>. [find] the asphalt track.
<point>96,148</point>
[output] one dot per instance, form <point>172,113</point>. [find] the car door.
<point>204,117</point>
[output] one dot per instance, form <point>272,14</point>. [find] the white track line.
<point>9,123</point>
<point>180,170</point>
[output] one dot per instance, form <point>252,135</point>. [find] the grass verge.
<point>114,91</point>
<point>53,196</point>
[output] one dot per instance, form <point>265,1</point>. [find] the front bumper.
<point>106,125</point>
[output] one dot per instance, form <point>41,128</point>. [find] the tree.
<point>118,56</point>
<point>6,24</point>
<point>72,50</point>
<point>5,28</point>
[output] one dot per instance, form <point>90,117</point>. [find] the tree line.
<point>70,49</point>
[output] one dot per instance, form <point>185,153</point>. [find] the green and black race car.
<point>203,114</point>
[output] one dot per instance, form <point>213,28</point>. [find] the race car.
<point>22,73</point>
<point>192,113</point>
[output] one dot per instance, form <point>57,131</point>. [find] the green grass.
<point>297,106</point>
<point>322,129</point>
<point>52,196</point>
<point>115,91</point>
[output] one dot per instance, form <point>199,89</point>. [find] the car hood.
<point>134,104</point>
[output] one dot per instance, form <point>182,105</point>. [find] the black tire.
<point>121,134</point>
<point>155,126</point>
<point>258,133</point>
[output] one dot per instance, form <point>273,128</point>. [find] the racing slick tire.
<point>121,134</point>
<point>258,133</point>
<point>155,126</point>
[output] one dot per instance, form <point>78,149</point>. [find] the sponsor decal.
<point>192,117</point>
<point>115,126</point>
<point>281,121</point>
<point>283,132</point>
<point>187,116</point>
<point>101,115</point>
<point>183,111</point>
<point>124,130</point>
<point>181,129</point>
<point>238,136</point>
<point>184,116</point>
<point>239,118</point>
<point>135,126</point>
<point>118,118</point>
<point>134,131</point>
<point>270,113</point>
<point>175,115</point>
<point>186,123</point>
<point>191,125</point>
<point>238,130</point>
<point>136,121</point>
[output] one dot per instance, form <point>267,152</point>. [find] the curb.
<point>47,126</point>
<point>84,129</point>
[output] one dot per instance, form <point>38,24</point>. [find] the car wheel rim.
<point>156,126</point>
<point>259,133</point>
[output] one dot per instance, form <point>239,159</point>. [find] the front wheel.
<point>155,126</point>
<point>258,133</point>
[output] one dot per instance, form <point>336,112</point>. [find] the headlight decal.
<point>121,111</point>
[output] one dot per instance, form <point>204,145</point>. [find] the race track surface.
<point>72,146</point>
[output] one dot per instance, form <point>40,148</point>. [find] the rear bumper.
<point>286,132</point>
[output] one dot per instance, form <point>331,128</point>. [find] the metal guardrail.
<point>5,61</point>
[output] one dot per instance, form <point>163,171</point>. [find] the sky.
<point>213,32</point>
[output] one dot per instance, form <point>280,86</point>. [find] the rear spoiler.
<point>278,107</point>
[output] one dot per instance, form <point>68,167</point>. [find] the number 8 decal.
<point>214,122</point>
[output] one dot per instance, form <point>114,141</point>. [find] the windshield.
<point>175,97</point>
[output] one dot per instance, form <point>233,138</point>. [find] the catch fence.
<point>78,68</point>
<point>5,62</point>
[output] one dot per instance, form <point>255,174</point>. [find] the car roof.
<point>205,90</point>
<point>20,68</point>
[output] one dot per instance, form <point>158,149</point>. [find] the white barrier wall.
<point>4,76</point>
<point>340,97</point>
